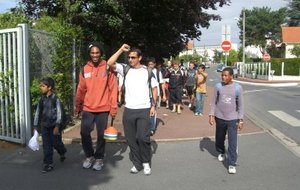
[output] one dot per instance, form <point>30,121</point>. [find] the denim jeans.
<point>199,102</point>
<point>222,126</point>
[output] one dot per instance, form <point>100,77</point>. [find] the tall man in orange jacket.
<point>97,98</point>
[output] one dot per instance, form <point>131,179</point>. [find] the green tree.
<point>296,51</point>
<point>158,27</point>
<point>293,13</point>
<point>11,20</point>
<point>262,24</point>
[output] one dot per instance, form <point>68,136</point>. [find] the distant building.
<point>290,37</point>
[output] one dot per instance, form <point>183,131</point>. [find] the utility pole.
<point>244,30</point>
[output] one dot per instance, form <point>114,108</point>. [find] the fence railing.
<point>263,71</point>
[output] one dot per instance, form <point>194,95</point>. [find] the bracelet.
<point>241,122</point>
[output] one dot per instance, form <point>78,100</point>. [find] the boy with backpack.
<point>227,110</point>
<point>48,120</point>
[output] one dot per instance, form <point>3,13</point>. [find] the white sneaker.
<point>196,113</point>
<point>98,165</point>
<point>221,157</point>
<point>231,169</point>
<point>200,114</point>
<point>88,162</point>
<point>147,169</point>
<point>133,170</point>
<point>190,105</point>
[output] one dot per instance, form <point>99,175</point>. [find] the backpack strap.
<point>150,75</point>
<point>125,71</point>
<point>236,91</point>
<point>218,88</point>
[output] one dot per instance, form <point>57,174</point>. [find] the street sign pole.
<point>226,46</point>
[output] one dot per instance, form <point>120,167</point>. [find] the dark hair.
<point>229,69</point>
<point>48,81</point>
<point>95,44</point>
<point>138,51</point>
<point>202,66</point>
<point>151,59</point>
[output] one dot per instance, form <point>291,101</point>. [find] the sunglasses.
<point>131,57</point>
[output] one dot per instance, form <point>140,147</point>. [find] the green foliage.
<point>293,13</point>
<point>188,58</point>
<point>160,28</point>
<point>291,66</point>
<point>35,93</point>
<point>64,35</point>
<point>296,51</point>
<point>232,57</point>
<point>262,24</point>
<point>11,20</point>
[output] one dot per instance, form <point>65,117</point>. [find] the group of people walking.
<point>97,97</point>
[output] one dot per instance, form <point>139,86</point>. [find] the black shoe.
<point>47,168</point>
<point>62,158</point>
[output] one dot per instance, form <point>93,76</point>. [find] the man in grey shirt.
<point>227,111</point>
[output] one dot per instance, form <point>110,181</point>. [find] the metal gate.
<point>15,112</point>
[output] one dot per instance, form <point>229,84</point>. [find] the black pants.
<point>137,132</point>
<point>51,141</point>
<point>88,122</point>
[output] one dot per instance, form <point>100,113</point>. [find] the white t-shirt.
<point>137,94</point>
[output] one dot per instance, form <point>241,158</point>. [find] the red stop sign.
<point>266,57</point>
<point>226,45</point>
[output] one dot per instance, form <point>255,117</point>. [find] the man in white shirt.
<point>138,108</point>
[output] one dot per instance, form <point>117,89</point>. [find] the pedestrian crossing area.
<point>291,119</point>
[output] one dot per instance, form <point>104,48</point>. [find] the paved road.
<point>264,163</point>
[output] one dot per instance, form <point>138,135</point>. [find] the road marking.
<point>291,120</point>
<point>291,145</point>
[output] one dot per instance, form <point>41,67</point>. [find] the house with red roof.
<point>290,37</point>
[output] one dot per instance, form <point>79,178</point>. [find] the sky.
<point>211,36</point>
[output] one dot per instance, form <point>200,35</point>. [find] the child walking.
<point>48,120</point>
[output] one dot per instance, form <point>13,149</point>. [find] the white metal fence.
<point>14,85</point>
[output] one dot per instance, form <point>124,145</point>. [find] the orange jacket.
<point>97,89</point>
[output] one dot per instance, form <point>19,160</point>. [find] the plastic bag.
<point>33,142</point>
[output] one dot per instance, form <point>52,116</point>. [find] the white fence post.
<point>282,69</point>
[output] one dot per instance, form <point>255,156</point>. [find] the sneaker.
<point>200,114</point>
<point>62,158</point>
<point>190,105</point>
<point>196,113</point>
<point>231,169</point>
<point>88,162</point>
<point>98,165</point>
<point>221,157</point>
<point>133,170</point>
<point>47,168</point>
<point>147,169</point>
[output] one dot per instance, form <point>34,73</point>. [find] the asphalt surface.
<point>183,157</point>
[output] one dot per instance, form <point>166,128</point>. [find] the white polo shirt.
<point>137,92</point>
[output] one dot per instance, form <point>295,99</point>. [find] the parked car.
<point>220,68</point>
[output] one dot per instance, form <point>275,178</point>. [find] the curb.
<point>279,84</point>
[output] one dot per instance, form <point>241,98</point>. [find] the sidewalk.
<point>171,126</point>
